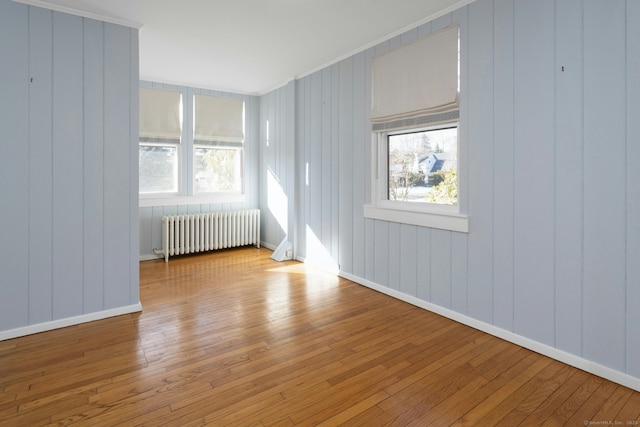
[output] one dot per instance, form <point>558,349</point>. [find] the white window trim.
<point>448,221</point>
<point>202,199</point>
<point>185,194</point>
<point>445,217</point>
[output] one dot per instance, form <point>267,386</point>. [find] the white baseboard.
<point>268,246</point>
<point>544,349</point>
<point>69,321</point>
<point>151,257</point>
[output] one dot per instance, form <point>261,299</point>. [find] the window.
<point>422,166</point>
<point>158,168</point>
<point>159,147</point>
<point>414,115</point>
<point>218,169</point>
<point>218,144</point>
<point>199,160</point>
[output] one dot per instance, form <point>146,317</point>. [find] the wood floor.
<point>234,338</point>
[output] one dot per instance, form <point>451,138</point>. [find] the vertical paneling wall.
<point>277,165</point>
<point>68,114</point>
<point>549,169</point>
<point>151,216</point>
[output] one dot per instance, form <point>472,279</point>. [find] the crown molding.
<point>82,13</point>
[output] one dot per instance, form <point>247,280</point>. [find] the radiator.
<point>186,234</point>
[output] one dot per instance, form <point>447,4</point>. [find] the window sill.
<point>167,200</point>
<point>444,221</point>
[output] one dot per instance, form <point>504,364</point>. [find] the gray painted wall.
<point>550,165</point>
<point>278,184</point>
<point>69,166</point>
<point>151,216</point>
<point>550,100</point>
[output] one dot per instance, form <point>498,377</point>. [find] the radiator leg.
<point>163,253</point>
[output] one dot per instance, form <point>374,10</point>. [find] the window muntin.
<point>422,166</point>
<point>158,168</point>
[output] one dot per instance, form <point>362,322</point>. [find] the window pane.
<point>158,168</point>
<point>422,166</point>
<point>217,169</point>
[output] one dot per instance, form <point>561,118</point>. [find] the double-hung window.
<point>218,143</point>
<point>415,120</point>
<point>159,143</point>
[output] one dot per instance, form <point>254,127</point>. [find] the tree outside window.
<point>422,166</point>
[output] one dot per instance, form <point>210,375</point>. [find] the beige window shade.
<point>160,117</point>
<point>218,119</point>
<point>416,83</point>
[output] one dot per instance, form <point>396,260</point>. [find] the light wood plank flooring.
<point>234,338</point>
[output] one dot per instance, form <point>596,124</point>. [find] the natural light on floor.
<point>317,254</point>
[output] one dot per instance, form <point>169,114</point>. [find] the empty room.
<point>282,213</point>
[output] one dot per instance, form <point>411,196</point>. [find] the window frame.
<point>186,157</point>
<point>433,215</point>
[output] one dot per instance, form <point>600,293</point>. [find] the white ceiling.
<point>253,46</point>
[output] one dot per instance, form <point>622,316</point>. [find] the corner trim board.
<point>69,321</point>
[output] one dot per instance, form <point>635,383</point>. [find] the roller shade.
<point>218,120</point>
<point>160,118</point>
<point>416,83</point>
